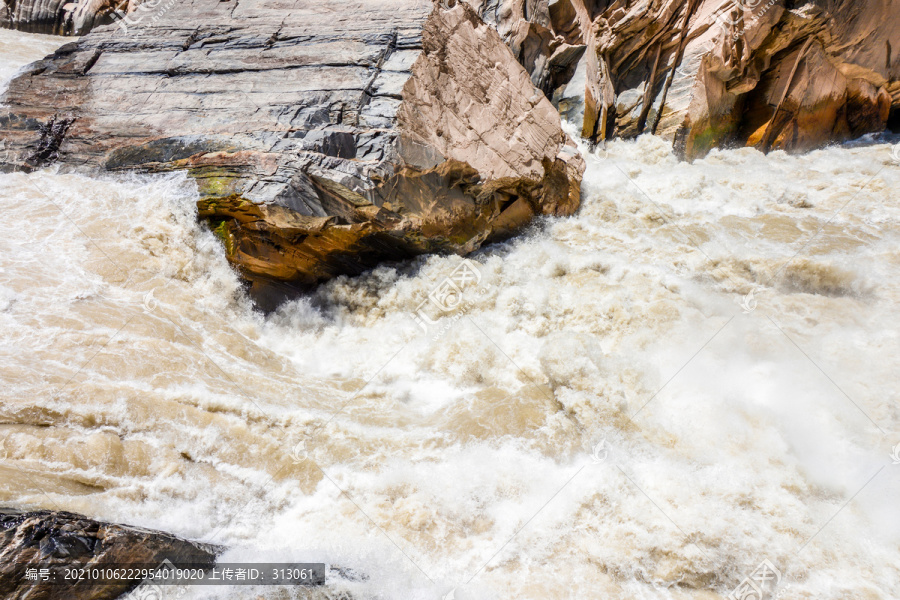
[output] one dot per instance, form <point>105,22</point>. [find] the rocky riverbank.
<point>326,138</point>
<point>45,541</point>
<point>772,74</point>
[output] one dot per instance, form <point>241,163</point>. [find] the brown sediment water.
<point>694,374</point>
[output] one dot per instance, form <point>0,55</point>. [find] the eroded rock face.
<point>47,539</point>
<point>709,73</point>
<point>324,138</point>
<point>703,73</point>
<point>61,17</point>
<point>794,75</point>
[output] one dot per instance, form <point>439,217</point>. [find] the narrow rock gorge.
<point>674,378</point>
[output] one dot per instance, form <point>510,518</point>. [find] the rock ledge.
<point>47,539</point>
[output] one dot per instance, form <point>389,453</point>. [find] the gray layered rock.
<point>59,540</point>
<point>324,137</point>
<point>703,73</point>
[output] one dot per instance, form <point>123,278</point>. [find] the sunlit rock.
<point>323,141</point>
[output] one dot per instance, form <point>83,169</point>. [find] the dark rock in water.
<point>52,135</point>
<point>50,540</point>
<point>324,137</point>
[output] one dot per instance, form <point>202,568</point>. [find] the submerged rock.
<point>323,140</point>
<point>54,540</point>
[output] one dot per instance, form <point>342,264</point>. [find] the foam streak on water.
<point>608,414</point>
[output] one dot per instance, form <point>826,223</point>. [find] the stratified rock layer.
<point>54,540</point>
<point>324,136</point>
<point>780,74</point>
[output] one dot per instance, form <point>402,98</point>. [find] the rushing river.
<point>695,374</point>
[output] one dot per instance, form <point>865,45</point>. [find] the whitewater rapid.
<point>694,374</point>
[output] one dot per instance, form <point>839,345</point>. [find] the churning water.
<point>695,374</point>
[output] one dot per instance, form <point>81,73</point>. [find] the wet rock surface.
<point>49,540</point>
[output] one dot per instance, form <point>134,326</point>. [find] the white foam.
<point>181,410</point>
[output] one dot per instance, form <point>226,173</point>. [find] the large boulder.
<point>33,541</point>
<point>324,136</point>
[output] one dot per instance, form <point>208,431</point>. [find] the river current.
<point>694,376</point>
